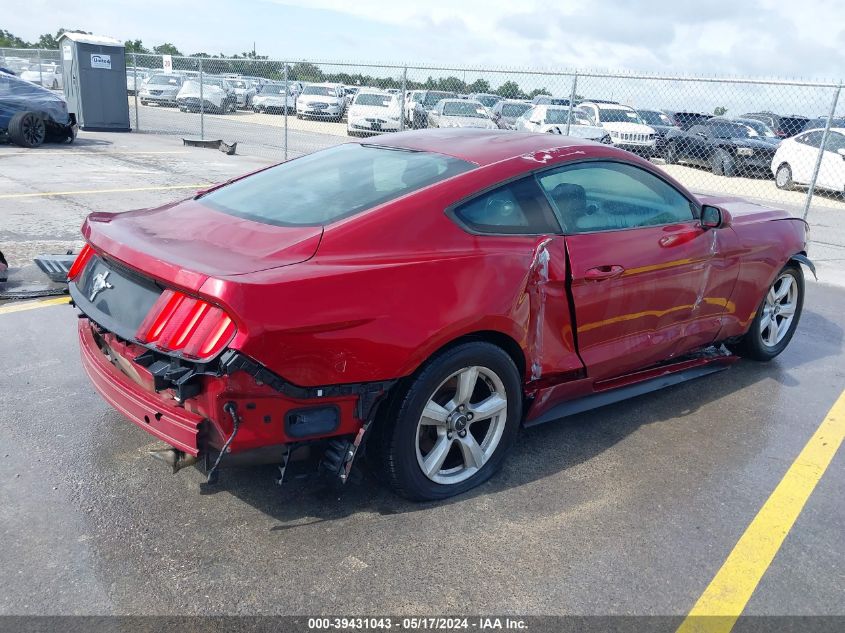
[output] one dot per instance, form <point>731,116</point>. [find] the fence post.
<point>402,99</point>
<point>812,186</point>
<point>202,106</point>
<point>287,96</point>
<point>571,102</point>
<point>135,82</point>
<point>40,70</point>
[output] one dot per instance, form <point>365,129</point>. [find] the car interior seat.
<point>571,201</point>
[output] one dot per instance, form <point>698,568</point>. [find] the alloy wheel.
<point>461,425</point>
<point>778,310</point>
<point>33,130</point>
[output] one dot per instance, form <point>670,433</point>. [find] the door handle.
<point>603,272</point>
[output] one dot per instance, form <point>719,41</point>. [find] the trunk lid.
<point>187,242</point>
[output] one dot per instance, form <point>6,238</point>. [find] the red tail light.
<point>179,323</point>
<point>80,262</point>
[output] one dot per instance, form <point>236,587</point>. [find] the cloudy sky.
<point>719,37</point>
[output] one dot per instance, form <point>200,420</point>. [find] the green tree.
<point>510,90</point>
<point>539,91</point>
<point>8,40</point>
<point>136,46</point>
<point>720,111</point>
<point>167,49</point>
<point>479,85</point>
<point>306,71</point>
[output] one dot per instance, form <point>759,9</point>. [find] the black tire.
<point>55,85</point>
<point>671,154</point>
<point>298,115</point>
<point>783,177</point>
<point>396,433</point>
<point>752,345</point>
<point>27,129</point>
<point>722,163</point>
<point>143,103</point>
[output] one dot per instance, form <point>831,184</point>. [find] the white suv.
<point>321,101</point>
<point>626,128</point>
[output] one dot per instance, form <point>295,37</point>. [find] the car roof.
<point>482,147</point>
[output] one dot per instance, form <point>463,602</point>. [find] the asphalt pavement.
<point>631,509</point>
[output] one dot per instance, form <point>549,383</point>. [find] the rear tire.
<point>777,318</point>
<point>723,164</point>
<point>783,177</point>
<point>457,444</point>
<point>27,129</point>
<point>671,153</point>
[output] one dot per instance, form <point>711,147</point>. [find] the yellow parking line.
<point>32,305</point>
<point>80,192</point>
<point>725,597</point>
<point>37,152</point>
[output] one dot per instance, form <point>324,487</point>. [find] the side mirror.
<point>714,218</point>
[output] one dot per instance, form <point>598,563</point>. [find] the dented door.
<point>645,295</point>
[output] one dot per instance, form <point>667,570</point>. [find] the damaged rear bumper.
<point>150,411</point>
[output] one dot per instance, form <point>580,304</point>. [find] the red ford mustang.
<point>423,294</point>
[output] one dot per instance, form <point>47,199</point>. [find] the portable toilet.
<point>94,74</point>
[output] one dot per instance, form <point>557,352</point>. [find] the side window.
<point>517,208</point>
<point>835,142</point>
<point>801,138</point>
<point>814,139</point>
<point>606,196</point>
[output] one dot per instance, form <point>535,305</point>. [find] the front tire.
<point>783,177</point>
<point>27,129</point>
<point>449,427</point>
<point>723,164</point>
<point>777,318</point>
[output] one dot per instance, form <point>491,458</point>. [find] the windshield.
<point>732,130</point>
<point>488,100</point>
<point>432,98</point>
<point>323,91</point>
<point>166,80</point>
<point>464,108</point>
<point>326,186</point>
<point>760,128</point>
<point>619,115</point>
<point>371,99</point>
<point>515,109</point>
<point>272,89</point>
<point>653,117</point>
<point>559,115</point>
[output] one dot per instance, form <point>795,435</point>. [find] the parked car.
<point>161,89</point>
<point>461,113</point>
<point>31,114</point>
<point>627,130</point>
<point>727,147</point>
<point>821,123</point>
<point>424,102</point>
<point>321,101</point>
<point>547,118</point>
<point>45,74</point>
<point>373,112</point>
<point>420,298</point>
<point>245,90</point>
<point>271,99</point>
<point>685,120</point>
<point>795,160</point>
<point>135,78</point>
<point>507,111</point>
<point>663,126</point>
<point>549,100</point>
<point>214,95</point>
<point>783,125</point>
<point>488,100</point>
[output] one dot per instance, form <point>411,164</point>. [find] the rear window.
<point>326,186</point>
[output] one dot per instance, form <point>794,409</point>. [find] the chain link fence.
<point>759,139</point>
